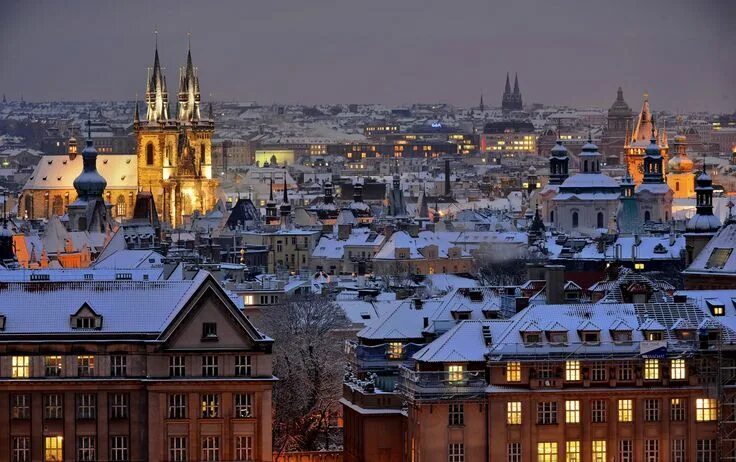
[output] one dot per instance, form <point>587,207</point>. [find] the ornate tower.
<point>637,141</point>
<point>511,101</point>
<point>704,224</point>
<point>653,194</point>
<point>681,178</point>
<point>558,164</point>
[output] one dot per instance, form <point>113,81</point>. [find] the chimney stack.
<point>448,192</point>
<point>555,283</point>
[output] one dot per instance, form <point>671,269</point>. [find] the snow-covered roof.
<point>718,256</point>
<point>58,172</point>
<point>589,181</point>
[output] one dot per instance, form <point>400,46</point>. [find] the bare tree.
<point>309,358</point>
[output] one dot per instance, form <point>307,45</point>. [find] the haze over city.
<point>565,52</point>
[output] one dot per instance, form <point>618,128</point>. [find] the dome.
<point>89,183</point>
<point>559,150</point>
<point>653,148</point>
<point>680,139</point>
<point>680,164</point>
<point>703,223</point>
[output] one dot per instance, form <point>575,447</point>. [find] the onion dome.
<point>89,184</point>
<point>559,150</point>
<point>652,148</point>
<point>680,162</point>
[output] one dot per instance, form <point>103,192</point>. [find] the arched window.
<point>574,219</point>
<point>58,207</point>
<point>551,216</point>
<point>149,154</point>
<point>647,216</point>
<point>599,220</point>
<point>120,206</point>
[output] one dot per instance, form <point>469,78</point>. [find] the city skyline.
<point>334,53</point>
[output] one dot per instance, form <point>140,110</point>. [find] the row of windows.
<point>119,447</point>
<point>599,370</point>
<point>706,410</point>
<point>549,451</point>
<point>53,366</point>
<point>119,403</point>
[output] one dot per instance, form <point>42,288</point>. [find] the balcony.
<point>379,357</point>
<point>440,384</point>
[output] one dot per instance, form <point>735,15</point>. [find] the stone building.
<point>637,141</point>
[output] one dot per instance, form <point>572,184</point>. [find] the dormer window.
<point>209,331</point>
<point>590,337</point>
<point>653,336</point>
<point>716,307</point>
<point>85,318</point>
<point>532,338</point>
<point>558,337</point>
<point>621,336</point>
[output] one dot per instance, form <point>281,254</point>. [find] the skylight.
<point>718,258</point>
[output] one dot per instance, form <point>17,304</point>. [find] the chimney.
<point>343,231</point>
<point>448,192</point>
<point>535,271</point>
<point>555,284</point>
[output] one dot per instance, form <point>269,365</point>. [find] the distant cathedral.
<point>511,101</point>
<point>175,154</point>
<point>638,140</point>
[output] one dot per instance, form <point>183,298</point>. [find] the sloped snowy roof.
<point>718,256</point>
<point>58,172</point>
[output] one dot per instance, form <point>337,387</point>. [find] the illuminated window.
<point>706,409</point>
<point>513,413</point>
<point>625,410</point>
<point>599,451</point>
<point>85,366</point>
<point>455,372</point>
<point>639,266</point>
<point>513,371</point>
<point>395,350</point>
<point>677,369</point>
<point>677,409</point>
<point>651,369</point>
<point>572,411</point>
<point>572,451</point>
<point>547,452</point>
<point>53,448</point>
<point>572,371</point>
<point>210,406</point>
<point>21,367</point>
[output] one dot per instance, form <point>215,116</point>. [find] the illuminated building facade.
<point>175,154</point>
<point>509,138</point>
<point>681,177</point>
<point>637,141</point>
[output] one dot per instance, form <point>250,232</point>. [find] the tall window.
<point>625,410</point>
<point>706,409</point>
<point>86,406</point>
<point>547,451</point>
<point>243,405</point>
<point>53,448</point>
<point>455,373</point>
<point>599,220</point>
<point>547,412</point>
<point>513,452</point>
<point>243,366</point>
<point>178,449</point>
<point>677,450</point>
<point>52,406</point>
<point>513,371</point>
<point>177,406</point>
<point>177,366</point>
<point>86,449</point>
<point>120,206</point>
<point>651,369</point>
<point>119,405</point>
<point>149,154</point>
<point>574,219</point>
<point>677,409</point>
<point>119,451</point>
<point>210,406</point>
<point>706,451</point>
<point>572,411</point>
<point>678,369</point>
<point>625,371</point>
<point>626,451</point>
<point>20,367</point>
<point>651,410</point>
<point>572,371</point>
<point>118,365</point>
<point>52,366</point>
<point>456,452</point>
<point>85,366</point>
<point>210,448</point>
<point>21,406</point>
<point>456,414</point>
<point>513,413</point>
<point>21,449</point>
<point>598,410</point>
<point>651,450</point>
<point>572,451</point>
<point>210,366</point>
<point>599,450</point>
<point>243,448</point>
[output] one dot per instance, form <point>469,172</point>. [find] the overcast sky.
<point>683,52</point>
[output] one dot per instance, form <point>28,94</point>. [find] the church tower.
<point>175,154</point>
<point>637,141</point>
<point>511,101</point>
<point>653,194</point>
<point>681,178</point>
<point>704,224</point>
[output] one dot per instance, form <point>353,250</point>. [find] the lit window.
<point>547,452</point>
<point>85,366</point>
<point>53,448</point>
<point>248,300</point>
<point>572,451</point>
<point>21,367</point>
<point>651,369</point>
<point>599,451</point>
<point>677,409</point>
<point>52,366</point>
<point>677,369</point>
<point>513,412</point>
<point>572,371</point>
<point>706,409</point>
<point>395,350</point>
<point>572,411</point>
<point>210,406</point>
<point>639,266</point>
<point>625,410</point>
<point>455,372</point>
<point>513,371</point>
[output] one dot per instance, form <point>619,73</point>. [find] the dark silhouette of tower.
<point>511,100</point>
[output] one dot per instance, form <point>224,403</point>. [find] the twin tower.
<point>175,153</point>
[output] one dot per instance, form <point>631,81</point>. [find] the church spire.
<point>516,84</point>
<point>189,96</point>
<point>157,100</point>
<point>507,90</point>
